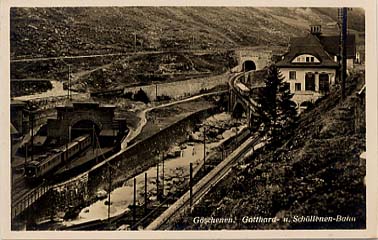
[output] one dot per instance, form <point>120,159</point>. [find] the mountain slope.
<point>316,173</point>
<point>76,31</point>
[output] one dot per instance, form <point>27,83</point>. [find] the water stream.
<point>176,173</point>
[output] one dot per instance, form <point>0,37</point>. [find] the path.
<point>143,120</point>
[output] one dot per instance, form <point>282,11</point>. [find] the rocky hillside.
<point>43,32</point>
<point>318,172</point>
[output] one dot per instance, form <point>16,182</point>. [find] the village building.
<point>310,66</point>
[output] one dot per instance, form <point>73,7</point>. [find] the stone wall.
<point>143,155</point>
<point>180,89</point>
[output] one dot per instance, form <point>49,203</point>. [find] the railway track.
<point>204,185</point>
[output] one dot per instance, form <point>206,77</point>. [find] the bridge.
<point>243,100</point>
<point>244,85</point>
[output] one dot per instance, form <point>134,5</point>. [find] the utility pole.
<point>93,138</point>
<point>162,189</point>
<point>343,50</point>
<point>204,147</point>
<point>134,203</point>
<point>26,153</point>
<point>145,193</point>
<point>109,190</point>
<point>69,82</point>
<point>191,185</point>
<point>156,92</point>
<point>32,133</point>
<point>69,133</point>
<point>157,182</point>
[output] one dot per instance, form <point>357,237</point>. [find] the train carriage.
<point>38,169</point>
<point>243,89</point>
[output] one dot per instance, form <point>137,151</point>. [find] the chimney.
<point>316,29</point>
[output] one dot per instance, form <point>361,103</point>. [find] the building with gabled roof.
<point>310,65</point>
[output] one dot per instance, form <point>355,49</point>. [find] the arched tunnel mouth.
<point>249,65</point>
<point>84,127</point>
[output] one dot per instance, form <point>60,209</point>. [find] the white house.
<point>309,68</point>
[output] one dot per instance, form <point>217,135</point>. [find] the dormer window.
<point>305,58</point>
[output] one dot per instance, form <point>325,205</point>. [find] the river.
<point>176,173</point>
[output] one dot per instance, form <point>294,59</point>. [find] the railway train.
<point>38,169</point>
<point>242,89</point>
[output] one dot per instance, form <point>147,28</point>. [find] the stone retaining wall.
<point>180,88</point>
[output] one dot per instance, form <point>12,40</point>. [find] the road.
<point>142,115</point>
<point>113,54</point>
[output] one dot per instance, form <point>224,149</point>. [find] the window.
<point>308,58</point>
<point>292,75</point>
<point>298,87</point>
<point>323,83</point>
<point>310,82</point>
<point>287,86</point>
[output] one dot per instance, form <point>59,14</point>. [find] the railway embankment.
<point>316,173</point>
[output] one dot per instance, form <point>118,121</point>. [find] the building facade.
<point>310,65</point>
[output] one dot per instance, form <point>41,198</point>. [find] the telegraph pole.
<point>162,189</point>
<point>109,190</point>
<point>156,92</point>
<point>134,203</point>
<point>204,147</point>
<point>31,116</point>
<point>344,28</point>
<point>191,185</point>
<point>145,193</point>
<point>69,82</point>
<point>26,153</point>
<point>157,182</point>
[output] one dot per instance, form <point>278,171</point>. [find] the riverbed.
<point>176,174</point>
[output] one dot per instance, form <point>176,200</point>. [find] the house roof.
<point>331,45</point>
<point>307,45</point>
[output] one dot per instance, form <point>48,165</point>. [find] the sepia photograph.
<point>188,118</point>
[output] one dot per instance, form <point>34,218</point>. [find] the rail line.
<point>204,185</point>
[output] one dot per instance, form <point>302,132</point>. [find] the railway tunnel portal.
<point>249,65</point>
<point>252,59</point>
<point>78,118</point>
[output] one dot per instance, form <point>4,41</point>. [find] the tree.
<point>278,111</point>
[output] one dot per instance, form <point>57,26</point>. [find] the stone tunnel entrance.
<point>79,118</point>
<point>249,65</point>
<point>84,127</point>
